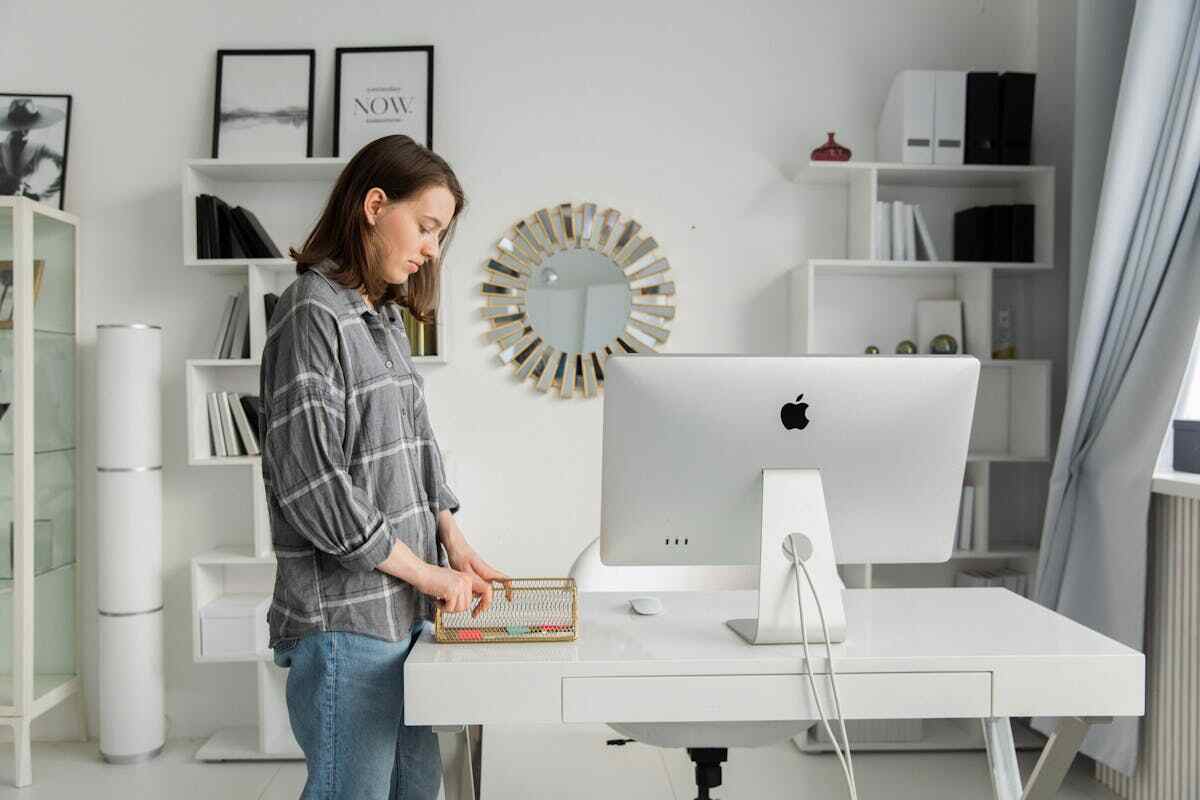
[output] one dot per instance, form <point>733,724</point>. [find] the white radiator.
<point>1169,761</point>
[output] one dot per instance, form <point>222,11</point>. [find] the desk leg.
<point>462,760</point>
<point>1056,758</point>
<point>1002,758</point>
<point>1052,765</point>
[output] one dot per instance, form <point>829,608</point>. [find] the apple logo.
<point>794,415</point>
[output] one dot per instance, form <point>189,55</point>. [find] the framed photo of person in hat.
<point>33,148</point>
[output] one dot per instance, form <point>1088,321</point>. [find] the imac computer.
<point>719,459</point>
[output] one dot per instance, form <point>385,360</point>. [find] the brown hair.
<point>402,169</point>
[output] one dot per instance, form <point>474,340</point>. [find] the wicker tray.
<point>532,610</point>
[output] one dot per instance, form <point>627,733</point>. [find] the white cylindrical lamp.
<point>129,541</point>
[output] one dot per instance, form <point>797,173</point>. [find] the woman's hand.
<point>469,563</point>
<point>451,588</point>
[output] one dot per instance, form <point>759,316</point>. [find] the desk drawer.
<point>734,698</point>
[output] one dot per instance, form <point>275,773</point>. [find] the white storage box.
<point>234,624</point>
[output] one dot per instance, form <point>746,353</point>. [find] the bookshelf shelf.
<point>232,554</point>
<point>851,266</point>
<point>238,266</point>
<point>258,171</point>
<point>976,176</point>
<point>227,461</point>
<point>994,555</point>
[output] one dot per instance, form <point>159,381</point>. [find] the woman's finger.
<point>484,590</point>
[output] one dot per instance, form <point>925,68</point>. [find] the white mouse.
<point>647,606</point>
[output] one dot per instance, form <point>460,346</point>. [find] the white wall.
<point>690,116</point>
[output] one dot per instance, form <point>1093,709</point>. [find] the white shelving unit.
<point>842,305</point>
<point>287,197</point>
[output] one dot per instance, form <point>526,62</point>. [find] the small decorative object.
<point>1006,345</point>
<point>33,150</point>
<point>379,91</point>
<point>872,350</point>
<point>943,345</point>
<point>935,317</point>
<point>264,103</point>
<point>906,348</point>
<point>831,151</point>
<point>7,295</point>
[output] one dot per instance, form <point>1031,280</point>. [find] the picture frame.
<point>380,91</point>
<point>263,104</point>
<point>6,289</point>
<point>35,131</point>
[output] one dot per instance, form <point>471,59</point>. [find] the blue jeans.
<point>345,698</point>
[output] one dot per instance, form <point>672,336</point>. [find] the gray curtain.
<point>1140,311</point>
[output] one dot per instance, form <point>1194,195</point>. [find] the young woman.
<point>361,515</point>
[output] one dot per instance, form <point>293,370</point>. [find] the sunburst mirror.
<point>567,288</point>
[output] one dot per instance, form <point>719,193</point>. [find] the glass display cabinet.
<point>39,254</point>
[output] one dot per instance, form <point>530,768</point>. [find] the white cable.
<point>846,761</point>
<point>837,703</point>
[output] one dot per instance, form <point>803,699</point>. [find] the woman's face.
<point>409,228</point>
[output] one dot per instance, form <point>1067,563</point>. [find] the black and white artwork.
<point>33,151</point>
<point>380,91</point>
<point>264,103</point>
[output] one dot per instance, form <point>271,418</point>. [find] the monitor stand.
<point>793,501</point>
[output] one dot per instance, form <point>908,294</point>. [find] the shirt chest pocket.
<point>387,404</point>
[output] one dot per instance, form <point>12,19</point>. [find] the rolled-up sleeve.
<point>303,395</point>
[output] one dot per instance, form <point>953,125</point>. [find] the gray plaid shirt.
<point>349,461</point>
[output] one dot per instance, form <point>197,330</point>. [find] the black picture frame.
<point>355,142</point>
<point>270,116</point>
<point>10,184</point>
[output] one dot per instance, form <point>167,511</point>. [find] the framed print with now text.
<point>380,91</point>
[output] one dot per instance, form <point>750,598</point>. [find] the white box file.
<point>234,624</point>
<point>906,125</point>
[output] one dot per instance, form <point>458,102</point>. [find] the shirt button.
<point>389,364</point>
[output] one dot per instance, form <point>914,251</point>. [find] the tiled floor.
<point>561,762</point>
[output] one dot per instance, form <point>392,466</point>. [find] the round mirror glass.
<point>578,300</point>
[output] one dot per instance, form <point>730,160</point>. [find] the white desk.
<point>910,653</point>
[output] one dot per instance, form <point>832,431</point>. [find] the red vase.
<point>831,151</point>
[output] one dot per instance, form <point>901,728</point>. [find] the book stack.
<point>1011,579</point>
<point>233,422</point>
<point>954,117</point>
<point>965,535</point>
<point>994,233</point>
<point>233,334</point>
<point>901,234</point>
<point>422,337</point>
<point>224,232</point>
